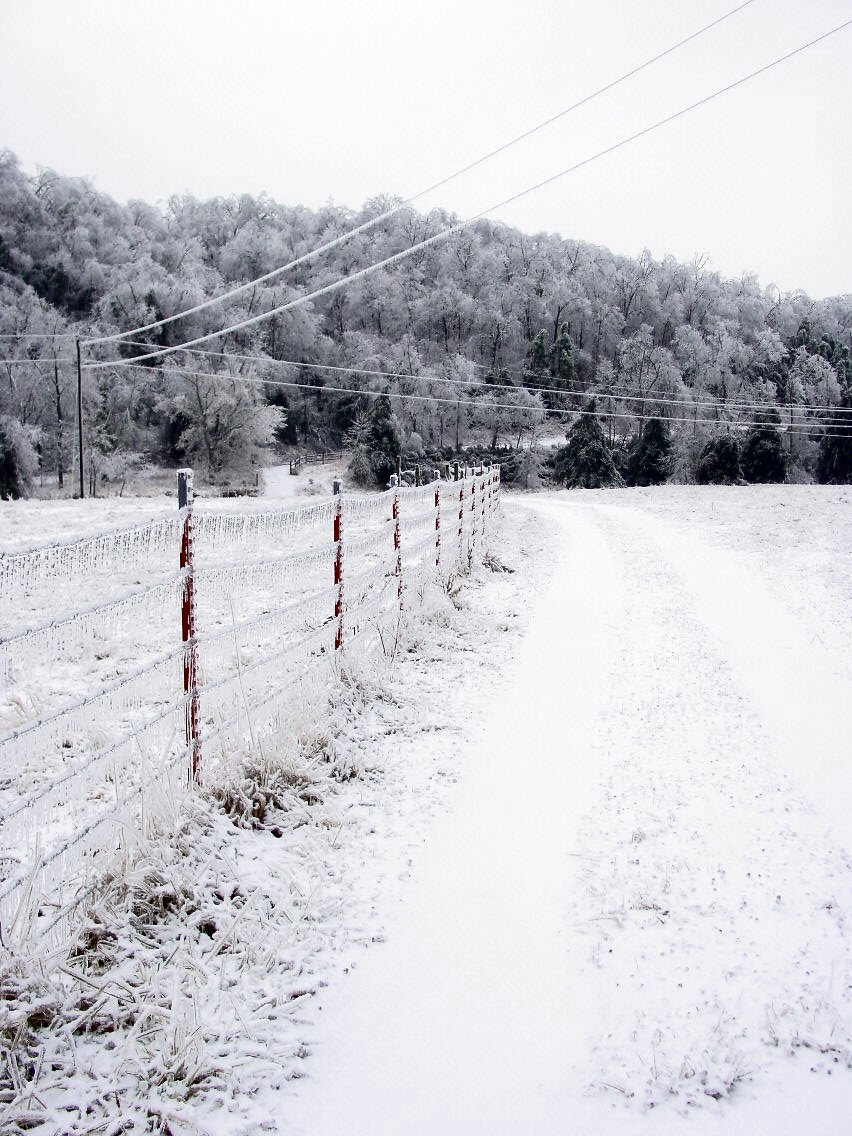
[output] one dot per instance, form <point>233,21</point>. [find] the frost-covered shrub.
<point>521,469</point>
<point>252,794</point>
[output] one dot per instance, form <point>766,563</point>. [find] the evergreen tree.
<point>650,461</point>
<point>538,355</point>
<point>719,463</point>
<point>586,461</point>
<point>764,458</point>
<point>834,464</point>
<point>385,443</point>
<point>358,443</point>
<point>551,369</point>
<point>373,443</point>
<point>562,360</point>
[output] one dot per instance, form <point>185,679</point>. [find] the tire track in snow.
<point>799,688</point>
<point>712,900</point>
<point>464,1020</point>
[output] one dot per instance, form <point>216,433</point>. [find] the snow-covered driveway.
<point>638,895</point>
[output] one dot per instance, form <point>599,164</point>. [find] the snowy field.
<point>570,854</point>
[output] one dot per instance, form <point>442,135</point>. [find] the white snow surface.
<point>634,909</point>
<point>591,873</point>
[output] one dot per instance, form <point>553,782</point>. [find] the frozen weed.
<point>260,789</point>
<point>29,1004</point>
<point>701,1059</point>
<point>495,564</point>
<point>813,1024</point>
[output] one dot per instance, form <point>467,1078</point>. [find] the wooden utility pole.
<point>80,416</point>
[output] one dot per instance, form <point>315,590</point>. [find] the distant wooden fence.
<point>297,462</point>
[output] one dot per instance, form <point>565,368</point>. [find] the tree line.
<point>489,339</point>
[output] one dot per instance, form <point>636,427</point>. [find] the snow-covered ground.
<point>638,898</point>
<point>570,855</point>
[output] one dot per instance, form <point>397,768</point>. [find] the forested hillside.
<point>506,334</point>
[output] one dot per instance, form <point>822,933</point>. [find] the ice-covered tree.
<point>358,446</point>
<point>562,359</point>
<point>18,461</point>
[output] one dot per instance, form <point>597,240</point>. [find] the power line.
<point>372,222</point>
<point>38,359</point>
<point>453,229</point>
<point>731,404</point>
<point>436,399</point>
<point>37,335</point>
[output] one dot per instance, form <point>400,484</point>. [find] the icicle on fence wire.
<point>106,710</point>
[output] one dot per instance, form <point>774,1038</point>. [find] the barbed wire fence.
<point>177,642</point>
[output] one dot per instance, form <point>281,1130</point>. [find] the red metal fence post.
<point>338,567</point>
<point>438,526</point>
<point>190,655</point>
<point>472,541</point>
<point>461,523</point>
<point>397,543</point>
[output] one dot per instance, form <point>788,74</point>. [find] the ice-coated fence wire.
<point>253,675</point>
<point>381,539</point>
<point>422,573</point>
<point>145,608</point>
<point>167,780</point>
<point>270,626</point>
<point>366,585</point>
<point>263,575</point>
<point>320,643</point>
<point>25,747</point>
<point>382,606</point>
<point>412,529</point>
<point>415,553</point>
<point>355,508</point>
<point>80,841</point>
<point>20,572</point>
<point>417,498</point>
<point>248,532</point>
<point>247,667</point>
<point>89,768</point>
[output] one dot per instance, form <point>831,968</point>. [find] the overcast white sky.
<point>343,101</point>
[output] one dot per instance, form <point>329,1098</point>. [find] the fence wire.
<point>95,709</point>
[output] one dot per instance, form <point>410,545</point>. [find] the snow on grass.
<point>709,890</point>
